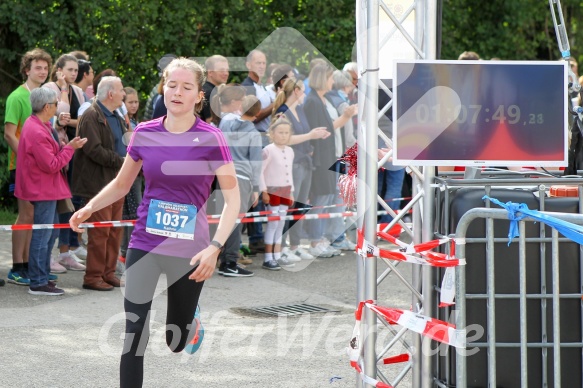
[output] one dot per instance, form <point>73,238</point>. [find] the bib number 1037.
<point>174,220</point>
<point>169,219</point>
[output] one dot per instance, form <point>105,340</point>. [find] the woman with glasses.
<point>41,160</point>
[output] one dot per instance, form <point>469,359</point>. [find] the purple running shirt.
<point>179,168</point>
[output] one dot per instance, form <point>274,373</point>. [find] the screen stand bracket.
<point>473,173</point>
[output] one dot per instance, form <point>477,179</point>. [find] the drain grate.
<point>292,310</point>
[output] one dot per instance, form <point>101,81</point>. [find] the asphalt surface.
<point>75,340</point>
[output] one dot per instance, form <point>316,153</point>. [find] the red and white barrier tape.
<point>429,327</point>
<point>103,224</point>
<point>418,254</point>
<point>116,224</point>
<point>435,329</point>
<point>415,254</point>
<point>293,217</point>
<point>268,212</point>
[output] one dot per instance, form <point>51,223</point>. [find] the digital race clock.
<point>469,113</point>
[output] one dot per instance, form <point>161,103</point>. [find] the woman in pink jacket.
<point>41,181</point>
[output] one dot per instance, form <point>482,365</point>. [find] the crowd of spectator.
<point>285,132</point>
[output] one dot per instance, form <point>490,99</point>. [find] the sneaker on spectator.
<point>68,261</point>
<point>18,278</point>
<point>244,260</point>
<point>344,245</point>
<point>329,248</point>
<point>79,254</point>
<point>319,251</point>
<point>271,265</point>
<point>232,270</point>
<point>56,267</point>
<point>196,341</point>
<point>53,278</point>
<point>48,289</point>
<point>302,254</point>
<point>289,255</point>
<point>284,262</point>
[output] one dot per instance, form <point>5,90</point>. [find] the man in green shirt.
<point>34,67</point>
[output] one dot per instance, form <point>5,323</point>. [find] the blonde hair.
<point>225,95</point>
<point>251,106</point>
<point>468,56</point>
<point>287,89</point>
<point>192,66</point>
<point>319,76</point>
<point>279,120</point>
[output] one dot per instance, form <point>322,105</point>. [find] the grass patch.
<point>7,217</point>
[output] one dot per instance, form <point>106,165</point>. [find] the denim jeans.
<point>389,187</point>
<point>42,242</point>
<point>67,236</point>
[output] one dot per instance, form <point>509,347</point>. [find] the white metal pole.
<point>430,50</point>
<point>370,216</point>
<point>360,209</point>
<point>418,273</point>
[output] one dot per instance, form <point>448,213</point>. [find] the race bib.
<point>169,219</point>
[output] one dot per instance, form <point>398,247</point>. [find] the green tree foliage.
<point>130,36</point>
<point>513,30</point>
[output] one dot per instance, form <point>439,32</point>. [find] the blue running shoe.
<point>16,278</point>
<point>196,341</point>
<point>53,277</point>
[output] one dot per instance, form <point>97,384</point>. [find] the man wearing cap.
<point>162,63</point>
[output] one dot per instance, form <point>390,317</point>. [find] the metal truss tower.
<point>388,30</point>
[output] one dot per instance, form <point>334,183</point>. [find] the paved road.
<point>74,340</point>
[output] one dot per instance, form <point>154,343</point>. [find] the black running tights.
<point>142,272</point>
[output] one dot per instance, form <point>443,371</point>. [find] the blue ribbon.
<point>571,231</point>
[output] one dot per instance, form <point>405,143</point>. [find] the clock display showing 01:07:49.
<point>474,114</point>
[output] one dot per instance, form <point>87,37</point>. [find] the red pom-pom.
<point>347,187</point>
<point>347,182</point>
